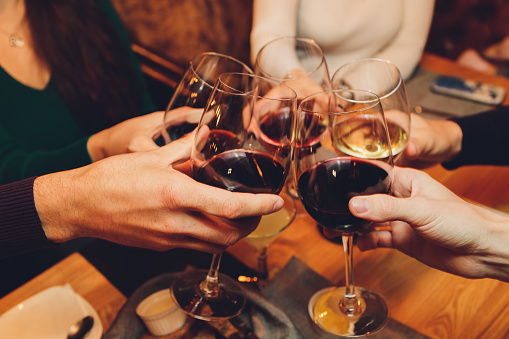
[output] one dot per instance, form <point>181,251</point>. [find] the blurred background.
<point>168,34</point>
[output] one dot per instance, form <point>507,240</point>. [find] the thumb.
<point>382,208</point>
<point>411,151</point>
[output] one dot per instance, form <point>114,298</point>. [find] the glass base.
<point>324,310</point>
<point>227,303</point>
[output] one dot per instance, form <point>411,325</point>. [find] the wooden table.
<point>432,302</point>
<point>85,280</point>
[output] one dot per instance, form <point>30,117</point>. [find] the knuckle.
<point>232,209</point>
<point>231,238</point>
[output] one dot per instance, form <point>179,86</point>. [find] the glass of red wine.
<point>343,150</point>
<point>231,152</point>
<point>300,64</point>
<point>193,91</point>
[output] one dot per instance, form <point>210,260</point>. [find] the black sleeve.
<point>485,139</point>
<point>20,226</point>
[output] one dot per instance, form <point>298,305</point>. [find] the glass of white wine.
<point>268,229</point>
<point>384,79</point>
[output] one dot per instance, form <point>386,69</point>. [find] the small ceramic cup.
<point>160,313</point>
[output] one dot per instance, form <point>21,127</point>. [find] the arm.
<point>141,200</point>
<point>271,20</point>
<point>136,199</point>
<point>433,225</point>
<point>18,161</point>
<point>458,142</point>
<point>405,51</point>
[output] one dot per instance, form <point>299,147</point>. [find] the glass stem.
<point>262,264</point>
<point>349,305</point>
<point>210,286</point>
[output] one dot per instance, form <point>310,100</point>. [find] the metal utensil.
<point>79,329</point>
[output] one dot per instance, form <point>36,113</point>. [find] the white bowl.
<point>160,313</point>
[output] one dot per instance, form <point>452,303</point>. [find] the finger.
<point>142,143</point>
<point>177,151</point>
<point>330,233</point>
<point>194,115</point>
<point>223,203</point>
<point>373,240</point>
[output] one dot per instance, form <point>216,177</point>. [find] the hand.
<point>180,116</point>
<point>133,135</point>
<point>140,200</point>
<point>431,142</point>
<point>302,85</point>
<point>433,225</point>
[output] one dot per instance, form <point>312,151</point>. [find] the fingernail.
<point>360,205</point>
<point>278,205</point>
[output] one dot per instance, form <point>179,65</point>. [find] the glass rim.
<point>308,40</point>
<point>254,76</point>
<point>375,101</point>
<point>225,56</point>
<point>387,62</point>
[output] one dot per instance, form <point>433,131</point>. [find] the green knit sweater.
<point>38,134</point>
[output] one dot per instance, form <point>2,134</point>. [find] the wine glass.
<point>194,90</point>
<point>343,150</point>
<point>268,229</point>
<point>383,78</point>
<point>231,152</point>
<point>300,64</point>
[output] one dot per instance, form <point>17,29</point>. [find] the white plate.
<point>48,315</point>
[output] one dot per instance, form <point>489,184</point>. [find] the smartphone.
<point>469,89</point>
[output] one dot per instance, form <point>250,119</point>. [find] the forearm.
<point>18,163</point>
<point>58,198</point>
<point>271,20</point>
<point>405,51</point>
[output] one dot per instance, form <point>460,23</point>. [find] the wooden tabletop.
<point>432,302</point>
<point>85,280</point>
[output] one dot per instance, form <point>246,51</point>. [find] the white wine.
<point>269,227</point>
<point>362,140</point>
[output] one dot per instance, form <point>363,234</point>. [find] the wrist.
<point>454,136</point>
<point>94,146</point>
<point>496,259</point>
<point>54,206</point>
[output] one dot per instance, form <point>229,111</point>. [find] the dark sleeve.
<point>485,139</point>
<point>20,226</point>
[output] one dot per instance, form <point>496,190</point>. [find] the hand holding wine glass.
<point>335,162</point>
<point>230,152</point>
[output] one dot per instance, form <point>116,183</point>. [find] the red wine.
<point>241,170</point>
<point>277,132</point>
<point>313,128</point>
<point>327,187</point>
<point>277,127</point>
<point>218,141</point>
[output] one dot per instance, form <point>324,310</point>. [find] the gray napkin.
<point>420,94</point>
<point>266,318</point>
<point>291,290</point>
